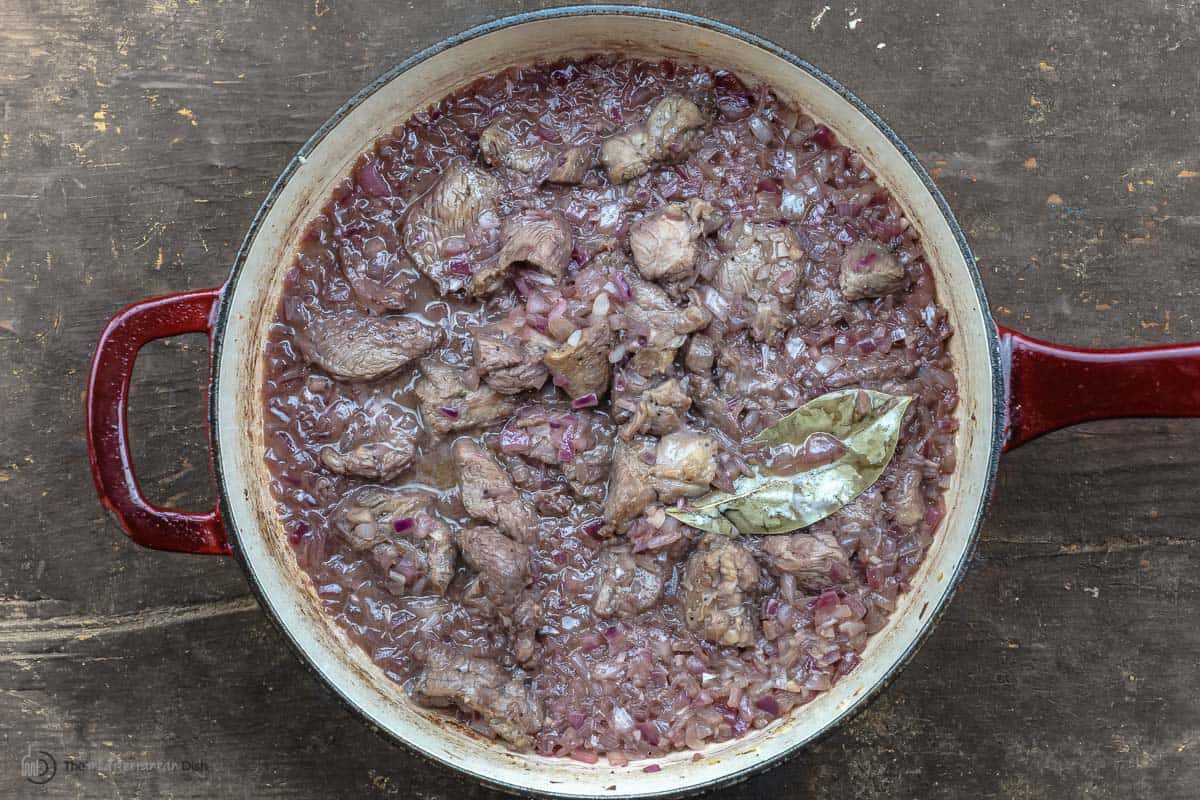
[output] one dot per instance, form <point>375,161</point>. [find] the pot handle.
<point>108,433</point>
<point>1051,386</point>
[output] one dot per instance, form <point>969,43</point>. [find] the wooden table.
<point>139,137</point>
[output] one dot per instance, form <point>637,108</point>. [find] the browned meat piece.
<point>407,542</point>
<point>819,307</point>
<point>627,584</point>
<point>526,621</point>
<point>713,406</point>
<point>488,493</point>
<point>684,465</point>
<point>809,557</point>
<point>374,460</point>
<point>451,678</point>
<point>655,327</point>
<point>380,278</point>
<point>537,239</point>
<point>860,371</point>
<point>580,364</point>
<point>700,354</point>
<point>660,410</point>
<point>571,164</point>
<point>502,564</point>
<point>719,591</point>
<point>354,347</point>
<point>906,499</point>
<point>577,442</point>
<point>508,355</point>
<point>870,270</point>
<point>667,135</point>
<point>764,269</point>
<point>629,489</point>
<point>665,242</point>
<point>447,404</point>
<point>500,147</point>
<point>462,205</point>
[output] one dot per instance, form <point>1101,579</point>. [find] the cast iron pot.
<point>1013,388</point>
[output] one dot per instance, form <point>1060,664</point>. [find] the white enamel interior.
<point>238,425</point>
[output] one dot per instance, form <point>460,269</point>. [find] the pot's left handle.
<point>108,433</point>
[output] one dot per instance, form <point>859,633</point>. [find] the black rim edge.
<point>220,321</point>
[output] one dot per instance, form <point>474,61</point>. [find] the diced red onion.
<point>624,290</point>
<point>403,524</point>
<point>651,768</point>
<point>372,181</point>
<point>566,447</point>
<point>587,401</point>
<point>447,411</point>
<point>768,704</point>
<point>514,440</point>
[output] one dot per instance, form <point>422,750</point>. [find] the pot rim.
<point>998,378</point>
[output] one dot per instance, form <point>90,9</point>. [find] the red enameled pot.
<point>1012,389</point>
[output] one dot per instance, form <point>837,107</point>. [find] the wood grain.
<point>136,141</point>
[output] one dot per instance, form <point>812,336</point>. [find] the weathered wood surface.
<point>136,140</point>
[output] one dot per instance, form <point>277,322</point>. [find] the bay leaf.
<point>866,422</point>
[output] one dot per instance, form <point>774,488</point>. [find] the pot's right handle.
<point>108,434</point>
<point>1051,386</point>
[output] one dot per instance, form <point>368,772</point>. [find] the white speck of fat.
<point>881,45</point>
<point>852,24</point>
<point>1094,591</point>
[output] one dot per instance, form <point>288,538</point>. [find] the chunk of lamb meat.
<point>685,464</point>
<point>462,206</point>
<point>509,356</point>
<point>713,406</point>
<point>629,487</point>
<point>906,500</point>
<point>672,128</point>
<point>816,307</point>
<point>580,365</point>
<point>655,327</point>
<point>764,269</point>
<point>700,354</point>
<point>666,242</point>
<point>501,563</point>
<point>870,270</point>
<point>411,546</point>
<point>379,460</point>
<point>660,410</point>
<point>488,493</point>
<point>626,584</point>
<point>448,404</point>
<point>719,592</point>
<point>354,347</point>
<point>809,557</point>
<point>451,678</point>
<point>527,620</point>
<point>537,239</point>
<point>499,146</point>
<point>577,442</point>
